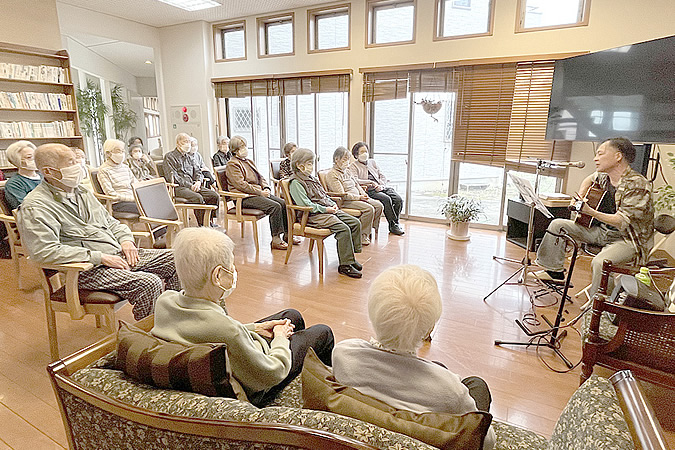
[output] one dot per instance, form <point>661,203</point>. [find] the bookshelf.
<point>37,98</point>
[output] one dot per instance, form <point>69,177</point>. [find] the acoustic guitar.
<point>593,198</point>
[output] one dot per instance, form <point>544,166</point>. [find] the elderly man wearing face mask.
<point>264,356</point>
<point>61,222</point>
<point>306,190</point>
<point>243,176</point>
<point>181,168</point>
<point>199,161</point>
<point>116,178</point>
<point>21,155</point>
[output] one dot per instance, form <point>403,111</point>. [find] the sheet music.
<point>525,189</point>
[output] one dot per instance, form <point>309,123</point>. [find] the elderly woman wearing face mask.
<point>140,164</point>
<point>116,178</point>
<point>22,155</point>
<point>338,179</point>
<point>306,190</point>
<point>223,155</point>
<point>285,170</point>
<point>243,176</point>
<point>264,356</point>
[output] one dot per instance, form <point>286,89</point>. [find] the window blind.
<point>527,132</point>
<point>483,115</point>
<point>273,86</point>
<point>385,86</point>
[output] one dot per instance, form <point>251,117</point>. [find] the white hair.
<point>221,139</point>
<point>110,144</point>
<point>182,137</point>
<point>236,143</point>
<point>404,304</point>
<point>339,153</point>
<point>300,157</point>
<point>14,151</point>
<point>199,250</point>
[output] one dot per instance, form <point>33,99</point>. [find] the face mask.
<point>193,149</point>
<point>230,290</point>
<point>242,153</point>
<point>117,158</point>
<point>185,148</point>
<point>363,157</point>
<point>71,176</point>
<point>308,169</point>
<point>343,164</point>
<point>29,164</point>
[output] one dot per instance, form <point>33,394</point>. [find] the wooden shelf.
<point>39,138</point>
<point>47,83</point>
<point>40,110</point>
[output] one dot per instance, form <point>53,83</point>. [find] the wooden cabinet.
<point>37,98</point>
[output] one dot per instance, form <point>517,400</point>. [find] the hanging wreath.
<point>430,107</point>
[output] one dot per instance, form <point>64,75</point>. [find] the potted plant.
<point>123,116</point>
<point>92,111</point>
<point>460,211</point>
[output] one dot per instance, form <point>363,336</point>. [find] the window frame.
<point>522,8</point>
<point>439,15</point>
<point>263,23</point>
<point>218,30</point>
<point>371,5</point>
<point>312,26</point>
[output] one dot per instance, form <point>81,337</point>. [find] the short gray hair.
<point>286,151</point>
<point>221,139</point>
<point>404,304</point>
<point>110,144</point>
<point>236,143</point>
<point>14,151</point>
<point>301,156</point>
<point>339,153</point>
<point>199,250</point>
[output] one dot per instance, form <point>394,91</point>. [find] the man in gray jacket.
<point>62,222</point>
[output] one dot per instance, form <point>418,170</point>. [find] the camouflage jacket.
<point>633,199</point>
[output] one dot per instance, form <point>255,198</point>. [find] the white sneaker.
<point>543,275</point>
<point>365,239</point>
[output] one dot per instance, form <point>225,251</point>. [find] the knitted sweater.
<point>116,180</point>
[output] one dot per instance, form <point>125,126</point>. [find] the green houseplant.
<point>665,195</point>
<point>460,211</point>
<point>124,118</point>
<point>92,111</point>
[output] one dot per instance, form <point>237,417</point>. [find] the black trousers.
<point>392,202</point>
<point>203,197</point>
<point>478,390</point>
<point>274,207</point>
<point>319,337</point>
<point>127,207</point>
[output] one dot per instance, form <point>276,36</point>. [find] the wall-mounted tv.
<point>626,91</point>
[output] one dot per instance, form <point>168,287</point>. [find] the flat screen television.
<point>626,91</point>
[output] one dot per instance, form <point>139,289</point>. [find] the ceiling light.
<point>192,5</point>
<point>148,62</point>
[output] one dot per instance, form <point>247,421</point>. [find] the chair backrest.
<point>221,177</point>
<point>275,167</point>
<point>153,199</point>
<point>4,206</point>
<point>93,175</point>
<point>322,178</point>
<point>159,166</point>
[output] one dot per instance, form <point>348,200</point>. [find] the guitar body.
<point>594,197</point>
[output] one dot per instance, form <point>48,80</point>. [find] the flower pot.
<point>459,231</point>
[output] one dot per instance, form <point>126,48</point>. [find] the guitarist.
<point>624,221</point>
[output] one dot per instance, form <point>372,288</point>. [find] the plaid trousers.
<point>141,285</point>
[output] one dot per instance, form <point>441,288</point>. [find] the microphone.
<point>577,164</point>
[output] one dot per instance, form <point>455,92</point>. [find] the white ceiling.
<point>130,57</point>
<point>158,14</point>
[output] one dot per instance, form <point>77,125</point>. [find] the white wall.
<point>32,23</point>
<point>84,59</point>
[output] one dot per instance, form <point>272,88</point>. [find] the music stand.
<point>531,197</point>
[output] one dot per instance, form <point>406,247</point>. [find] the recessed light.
<point>148,62</point>
<point>192,5</point>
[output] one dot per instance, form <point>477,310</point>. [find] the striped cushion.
<point>202,368</point>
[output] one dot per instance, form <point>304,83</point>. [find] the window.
<point>462,18</point>
<point>230,41</point>
<point>328,28</point>
<point>391,21</point>
<point>276,35</point>
<point>544,14</point>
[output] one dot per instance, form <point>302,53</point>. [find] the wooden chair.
<point>84,410</point>
<point>644,341</point>
<point>62,294</point>
<point>237,212</point>
<point>158,212</point>
<point>13,239</point>
<point>297,226</point>
<point>275,177</point>
<point>107,200</point>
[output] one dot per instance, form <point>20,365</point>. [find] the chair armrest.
<point>176,223</point>
<point>7,219</point>
<point>195,206</point>
<point>77,267</point>
<point>140,234</point>
<point>299,208</point>
<point>336,194</point>
<point>105,197</point>
<point>234,194</point>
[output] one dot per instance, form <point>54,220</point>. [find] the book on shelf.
<point>25,72</point>
<point>27,130</point>
<point>36,100</point>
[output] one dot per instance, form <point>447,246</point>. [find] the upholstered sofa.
<point>104,408</point>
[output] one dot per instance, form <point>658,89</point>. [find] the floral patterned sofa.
<point>103,408</point>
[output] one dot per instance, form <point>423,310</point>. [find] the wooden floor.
<point>524,391</point>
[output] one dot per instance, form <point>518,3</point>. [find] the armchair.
<point>275,165</point>
<point>158,212</point>
<point>107,200</point>
<point>643,341</point>
<point>14,240</point>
